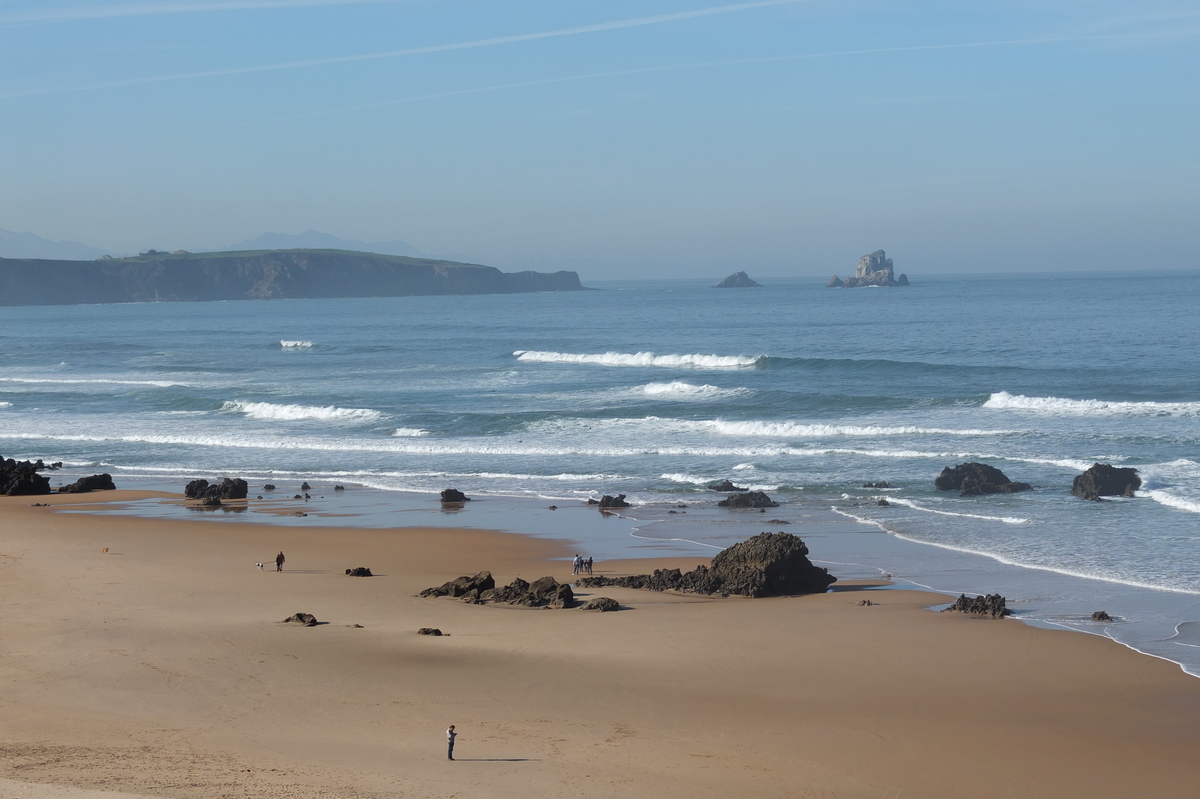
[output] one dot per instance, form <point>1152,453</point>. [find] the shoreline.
<point>1148,619</point>
<point>157,668</point>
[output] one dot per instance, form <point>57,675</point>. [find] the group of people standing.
<point>581,566</point>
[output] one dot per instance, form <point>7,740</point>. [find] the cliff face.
<point>280,274</point>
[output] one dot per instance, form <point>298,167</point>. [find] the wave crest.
<point>1003,401</point>
<point>679,390</point>
<point>696,360</point>
<point>289,413</point>
<point>289,344</point>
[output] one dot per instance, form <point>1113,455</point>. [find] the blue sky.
<point>620,139</point>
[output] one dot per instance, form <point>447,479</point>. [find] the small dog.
<point>259,566</point>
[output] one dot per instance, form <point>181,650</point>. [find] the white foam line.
<point>1017,564</point>
<point>633,534</point>
<point>1006,519</point>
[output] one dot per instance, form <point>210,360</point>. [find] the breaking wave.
<point>679,390</point>
<point>295,345</point>
<point>86,381</point>
<point>290,413</point>
<point>1004,401</point>
<point>908,503</point>
<point>794,430</point>
<point>642,359</point>
<point>409,432</point>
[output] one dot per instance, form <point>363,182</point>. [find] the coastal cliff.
<point>258,275</point>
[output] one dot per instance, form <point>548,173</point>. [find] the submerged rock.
<point>1101,615</point>
<point>769,564</point>
<point>751,499</point>
<point>725,487</point>
<point>1104,480</point>
<point>977,478</point>
<point>738,280</point>
<point>613,502</point>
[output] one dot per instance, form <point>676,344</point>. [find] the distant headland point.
<point>873,270</point>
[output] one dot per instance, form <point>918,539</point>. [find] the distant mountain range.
<point>316,240</point>
<point>28,245</point>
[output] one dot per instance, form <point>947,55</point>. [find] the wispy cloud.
<point>598,27</point>
<point>43,15</point>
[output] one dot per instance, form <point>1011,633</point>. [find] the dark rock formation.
<point>751,499</point>
<point>97,482</point>
<point>738,280</point>
<point>269,487</point>
<point>542,593</point>
<point>977,478</point>
<point>613,502</point>
<point>211,502</point>
<point>1103,480</point>
<point>460,586</point>
<point>429,631</point>
<point>1101,615</point>
<point>359,571</point>
<point>301,619</point>
<point>873,270</point>
<point>339,488</point>
<point>769,564</point>
<point>261,275</point>
<point>305,486</point>
<point>452,496</point>
<point>602,604</point>
<point>725,487</point>
<point>226,489</point>
<point>21,478</point>
<point>883,503</point>
<point>880,484</point>
<point>992,605</point>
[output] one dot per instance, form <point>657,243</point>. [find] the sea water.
<point>655,389</point>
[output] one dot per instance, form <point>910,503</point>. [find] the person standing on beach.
<point>576,564</point>
<point>450,736</point>
<point>279,562</point>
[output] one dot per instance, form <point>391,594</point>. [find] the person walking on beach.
<point>450,736</point>
<point>587,565</point>
<point>576,565</point>
<point>279,559</point>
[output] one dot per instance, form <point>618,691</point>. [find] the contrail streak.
<point>437,48</point>
<point>709,65</point>
<point>79,13</point>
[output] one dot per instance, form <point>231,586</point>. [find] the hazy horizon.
<point>619,140</point>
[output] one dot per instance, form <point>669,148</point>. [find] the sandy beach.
<point>159,668</point>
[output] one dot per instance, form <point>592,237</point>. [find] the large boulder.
<point>542,593</point>
<point>601,604</point>
<point>97,482</point>
<point>769,564</point>
<point>359,571</point>
<point>21,478</point>
<point>452,496</point>
<point>460,586</point>
<point>738,280</point>
<point>226,489</point>
<point>301,620</point>
<point>971,479</point>
<point>1103,480</point>
<point>613,502</point>
<point>750,499</point>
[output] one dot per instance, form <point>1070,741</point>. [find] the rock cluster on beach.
<point>226,489</point>
<point>21,478</point>
<point>738,280</point>
<point>359,571</point>
<point>452,496</point>
<point>991,605</point>
<point>605,502</point>
<point>97,482</point>
<point>1103,480</point>
<point>481,588</point>
<point>769,564</point>
<point>972,479</point>
<point>873,270</point>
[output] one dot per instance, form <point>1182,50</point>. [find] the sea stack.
<point>738,280</point>
<point>874,269</point>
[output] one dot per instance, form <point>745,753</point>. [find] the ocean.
<point>654,389</point>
